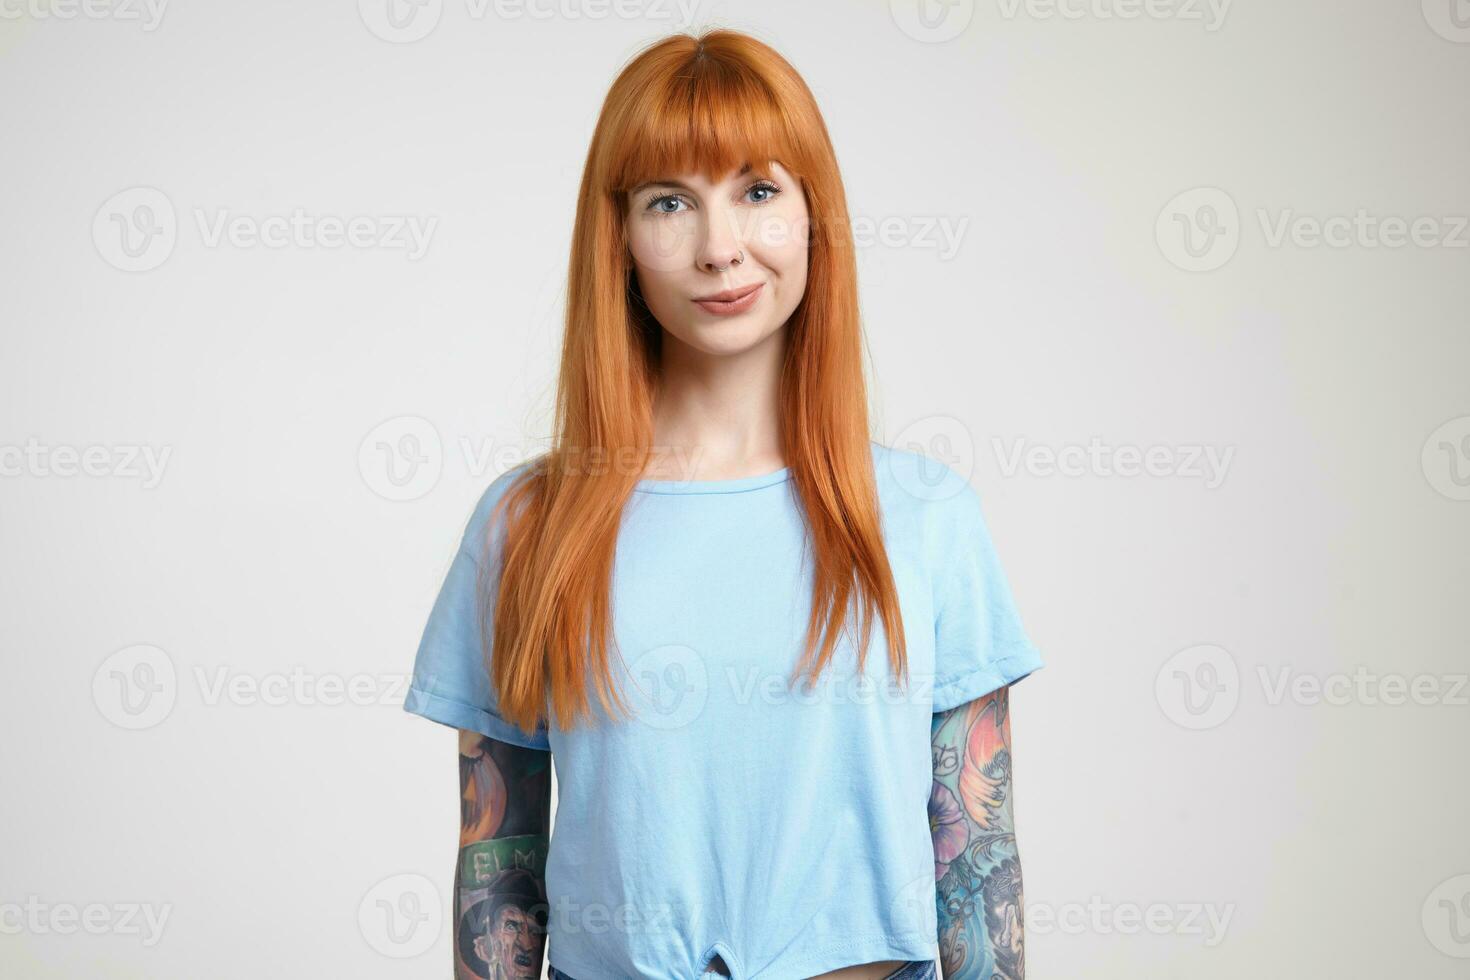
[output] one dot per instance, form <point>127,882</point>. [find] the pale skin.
<point>717,409</point>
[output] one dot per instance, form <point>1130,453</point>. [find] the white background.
<point>1054,141</point>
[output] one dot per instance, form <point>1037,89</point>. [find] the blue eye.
<point>767,186</point>
<point>656,202</point>
<point>659,199</point>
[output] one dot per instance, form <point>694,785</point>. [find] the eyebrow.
<point>666,182</point>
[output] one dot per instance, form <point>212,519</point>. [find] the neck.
<point>718,416</point>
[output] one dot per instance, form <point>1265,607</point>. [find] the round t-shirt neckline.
<point>733,485</point>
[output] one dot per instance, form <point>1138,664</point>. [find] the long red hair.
<point>704,104</point>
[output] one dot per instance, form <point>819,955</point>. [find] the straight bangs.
<point>709,122</point>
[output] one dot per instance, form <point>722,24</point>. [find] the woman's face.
<point>722,266</point>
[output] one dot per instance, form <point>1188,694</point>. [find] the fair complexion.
<point>716,413</point>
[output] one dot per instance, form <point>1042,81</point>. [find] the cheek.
<point>782,237</point>
<point>662,245</point>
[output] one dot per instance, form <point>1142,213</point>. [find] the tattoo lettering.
<point>500,880</point>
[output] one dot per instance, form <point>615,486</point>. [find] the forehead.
<point>509,912</point>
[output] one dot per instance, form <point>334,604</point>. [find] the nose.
<point>722,246</point>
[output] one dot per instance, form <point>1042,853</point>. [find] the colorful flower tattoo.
<point>976,867</point>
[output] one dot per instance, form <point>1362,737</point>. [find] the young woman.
<point>797,761</point>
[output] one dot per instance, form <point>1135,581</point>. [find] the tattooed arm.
<point>977,867</point>
<point>499,881</point>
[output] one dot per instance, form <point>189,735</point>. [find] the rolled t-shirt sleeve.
<point>980,644</point>
<point>451,683</point>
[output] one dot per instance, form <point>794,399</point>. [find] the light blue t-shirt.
<point>785,830</point>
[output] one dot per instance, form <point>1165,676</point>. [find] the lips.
<point>729,302</point>
<point>729,295</point>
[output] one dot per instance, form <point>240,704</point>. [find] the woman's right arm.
<point>499,880</point>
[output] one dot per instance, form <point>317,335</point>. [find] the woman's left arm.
<point>977,866</point>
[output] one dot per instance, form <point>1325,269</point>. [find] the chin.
<point>724,337</point>
<point>726,346</point>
